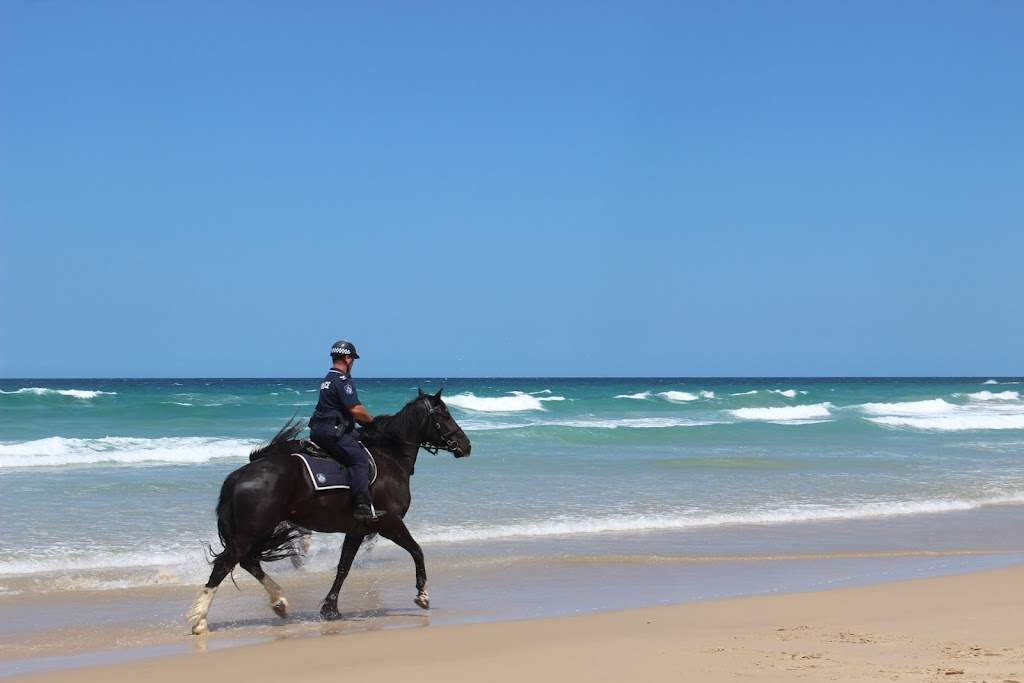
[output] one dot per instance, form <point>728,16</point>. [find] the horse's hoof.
<point>329,613</point>
<point>423,600</point>
<point>200,628</point>
<point>280,608</point>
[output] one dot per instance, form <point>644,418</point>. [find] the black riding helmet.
<point>343,348</point>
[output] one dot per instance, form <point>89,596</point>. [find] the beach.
<point>953,628</point>
<point>741,511</point>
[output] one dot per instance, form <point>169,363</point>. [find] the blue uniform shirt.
<point>337,397</point>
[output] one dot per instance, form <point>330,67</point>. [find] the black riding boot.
<point>363,510</point>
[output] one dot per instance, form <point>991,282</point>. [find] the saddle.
<point>326,473</point>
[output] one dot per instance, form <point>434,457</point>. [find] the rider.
<point>332,427</point>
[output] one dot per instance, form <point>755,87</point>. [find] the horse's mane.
<point>395,427</point>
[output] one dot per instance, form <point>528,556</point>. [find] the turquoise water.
<point>111,483</point>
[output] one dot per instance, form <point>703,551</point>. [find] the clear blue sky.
<point>215,188</point>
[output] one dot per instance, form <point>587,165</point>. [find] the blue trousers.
<point>347,450</point>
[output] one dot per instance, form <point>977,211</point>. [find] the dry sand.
<point>954,629</point>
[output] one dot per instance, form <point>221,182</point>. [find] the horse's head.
<point>443,432</point>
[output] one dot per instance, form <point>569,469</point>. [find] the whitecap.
<point>788,393</point>
<point>572,525</point>
<point>58,451</point>
<point>1001,396</point>
<point>679,396</point>
<point>935,406</point>
<point>518,402</point>
<point>73,393</point>
<point>786,414</point>
<point>954,423</point>
<point>642,396</point>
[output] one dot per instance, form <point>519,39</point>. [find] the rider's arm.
<point>360,414</point>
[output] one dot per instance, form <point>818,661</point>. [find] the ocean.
<point>109,485</point>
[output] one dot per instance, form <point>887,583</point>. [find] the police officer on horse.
<point>332,427</point>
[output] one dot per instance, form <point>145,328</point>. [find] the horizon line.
<point>559,377</point>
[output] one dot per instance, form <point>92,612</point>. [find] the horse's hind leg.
<point>329,608</point>
<point>394,529</point>
<point>222,566</point>
<point>278,603</point>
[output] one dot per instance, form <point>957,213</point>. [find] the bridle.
<point>434,415</point>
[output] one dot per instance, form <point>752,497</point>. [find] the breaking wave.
<point>786,414</point>
<point>517,402</point>
<point>935,406</point>
<point>72,393</point>
<point>987,411</point>
<point>57,451</point>
<point>642,522</point>
<point>954,423</point>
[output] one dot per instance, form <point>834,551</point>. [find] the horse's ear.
<point>421,392</point>
<point>438,394</point>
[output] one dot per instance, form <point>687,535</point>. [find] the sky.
<point>223,188</point>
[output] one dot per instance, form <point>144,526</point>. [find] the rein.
<point>451,445</point>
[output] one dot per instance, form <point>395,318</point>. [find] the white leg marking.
<point>277,601</point>
<point>423,600</point>
<point>201,607</point>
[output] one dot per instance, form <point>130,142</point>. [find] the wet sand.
<point>953,628</point>
<point>47,633</point>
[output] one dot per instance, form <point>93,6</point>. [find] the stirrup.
<point>359,513</point>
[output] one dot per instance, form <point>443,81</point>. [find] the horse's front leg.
<point>278,603</point>
<point>394,529</point>
<point>329,608</point>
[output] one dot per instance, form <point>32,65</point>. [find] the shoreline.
<point>963,627</point>
<point>519,580</point>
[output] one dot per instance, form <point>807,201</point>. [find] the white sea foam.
<point>517,402</point>
<point>955,423</point>
<point>1001,396</point>
<point>679,396</point>
<point>642,396</point>
<point>990,381</point>
<point>935,406</point>
<point>624,423</point>
<point>786,414</point>
<point>746,393</point>
<point>788,393</point>
<point>66,558</point>
<point>987,411</point>
<point>74,568</point>
<point>685,396</point>
<point>569,526</point>
<point>73,393</point>
<point>56,451</point>
<point>634,423</point>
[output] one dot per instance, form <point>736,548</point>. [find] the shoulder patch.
<point>348,389</point>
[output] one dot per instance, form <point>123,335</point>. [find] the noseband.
<point>433,415</point>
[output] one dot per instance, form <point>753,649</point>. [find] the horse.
<point>266,505</point>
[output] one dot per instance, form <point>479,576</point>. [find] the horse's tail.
<point>280,544</point>
<point>279,444</point>
<point>226,513</point>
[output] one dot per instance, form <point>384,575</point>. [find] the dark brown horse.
<point>262,503</point>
